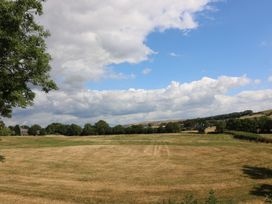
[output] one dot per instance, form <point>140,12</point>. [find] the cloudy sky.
<point>127,61</point>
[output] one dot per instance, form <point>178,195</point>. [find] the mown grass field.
<point>132,169</point>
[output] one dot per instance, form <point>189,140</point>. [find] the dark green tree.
<point>102,127</point>
<point>34,130</point>
<point>43,132</point>
<point>118,129</point>
<point>88,130</point>
<point>172,127</point>
<point>201,127</point>
<point>17,130</point>
<point>74,130</point>
<point>220,126</point>
<point>24,62</point>
<point>57,129</point>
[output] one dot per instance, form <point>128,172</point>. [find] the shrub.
<point>249,136</point>
<point>4,131</point>
<point>211,198</point>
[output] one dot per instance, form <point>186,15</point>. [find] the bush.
<point>189,199</point>
<point>211,198</point>
<point>4,131</point>
<point>249,136</point>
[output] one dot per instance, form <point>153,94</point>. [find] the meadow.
<point>133,169</point>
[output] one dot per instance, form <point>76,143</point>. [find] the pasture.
<point>133,169</point>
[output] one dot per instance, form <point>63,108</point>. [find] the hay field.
<point>132,169</point>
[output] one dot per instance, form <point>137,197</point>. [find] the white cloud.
<point>146,71</point>
<point>173,54</point>
<point>178,100</point>
<point>270,79</point>
<point>87,36</point>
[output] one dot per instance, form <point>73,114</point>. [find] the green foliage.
<point>201,127</point>
<point>57,129</point>
<point>17,130</point>
<point>249,136</point>
<point>192,123</point>
<point>256,125</point>
<point>34,130</point>
<point>220,126</point>
<point>211,198</point>
<point>43,132</point>
<point>74,130</point>
<point>23,59</point>
<point>189,199</point>
<point>102,127</point>
<point>88,130</point>
<point>4,131</point>
<point>172,127</point>
<point>268,199</point>
<point>118,129</point>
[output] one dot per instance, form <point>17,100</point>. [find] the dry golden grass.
<point>129,169</point>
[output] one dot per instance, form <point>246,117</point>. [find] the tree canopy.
<point>24,62</point>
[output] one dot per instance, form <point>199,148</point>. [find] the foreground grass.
<point>133,169</point>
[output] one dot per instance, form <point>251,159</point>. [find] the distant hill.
<point>241,115</point>
<point>267,113</point>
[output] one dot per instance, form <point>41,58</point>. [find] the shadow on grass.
<point>2,158</point>
<point>257,172</point>
<point>263,190</point>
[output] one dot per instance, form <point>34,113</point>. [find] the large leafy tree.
<point>24,62</point>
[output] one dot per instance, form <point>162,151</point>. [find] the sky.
<point>127,61</point>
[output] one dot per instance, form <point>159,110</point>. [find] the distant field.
<point>132,169</point>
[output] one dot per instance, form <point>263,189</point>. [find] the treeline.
<point>99,128</point>
<point>254,125</point>
<point>195,123</point>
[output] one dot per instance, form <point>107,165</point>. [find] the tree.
<point>118,129</point>
<point>172,127</point>
<point>34,130</point>
<point>220,126</point>
<point>57,129</point>
<point>102,127</point>
<point>24,62</point>
<point>43,132</point>
<point>74,130</point>
<point>17,130</point>
<point>201,127</point>
<point>88,130</point>
<point>4,131</point>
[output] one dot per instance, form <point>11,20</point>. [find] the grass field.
<point>132,169</point>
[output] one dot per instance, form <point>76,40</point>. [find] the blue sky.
<point>127,61</point>
<point>233,39</point>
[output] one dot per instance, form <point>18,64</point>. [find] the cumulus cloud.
<point>204,97</point>
<point>87,36</point>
